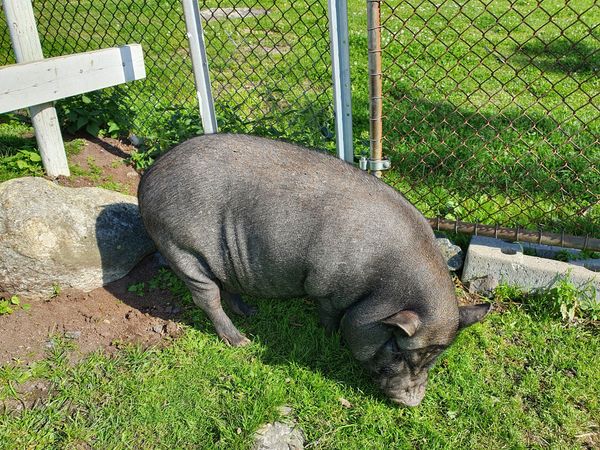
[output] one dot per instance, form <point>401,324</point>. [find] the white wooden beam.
<point>43,81</point>
<point>27,47</point>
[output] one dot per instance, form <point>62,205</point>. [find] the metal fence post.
<point>375,80</point>
<point>200,65</point>
<point>340,62</point>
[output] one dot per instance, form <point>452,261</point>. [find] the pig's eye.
<point>393,345</point>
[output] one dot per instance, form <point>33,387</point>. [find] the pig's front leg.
<point>329,316</point>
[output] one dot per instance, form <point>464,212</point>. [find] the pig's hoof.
<point>248,310</point>
<point>237,341</point>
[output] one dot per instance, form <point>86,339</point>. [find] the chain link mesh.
<point>492,110</point>
<point>266,78</point>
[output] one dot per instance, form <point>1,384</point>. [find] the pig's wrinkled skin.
<point>236,214</point>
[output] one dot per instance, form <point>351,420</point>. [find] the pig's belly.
<point>264,279</point>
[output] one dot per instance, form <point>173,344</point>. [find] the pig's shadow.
<point>287,329</point>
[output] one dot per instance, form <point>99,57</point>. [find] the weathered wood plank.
<point>47,80</point>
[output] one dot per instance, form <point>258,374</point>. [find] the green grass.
<point>491,110</point>
<point>519,379</point>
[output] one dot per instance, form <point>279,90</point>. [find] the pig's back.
<point>270,218</point>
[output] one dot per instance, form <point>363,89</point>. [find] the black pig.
<point>236,214</point>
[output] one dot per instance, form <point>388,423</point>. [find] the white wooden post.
<point>200,65</point>
<point>27,47</point>
<point>340,63</point>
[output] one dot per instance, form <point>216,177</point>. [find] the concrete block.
<point>548,251</point>
<point>489,257</point>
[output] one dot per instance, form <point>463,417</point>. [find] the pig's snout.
<point>408,394</point>
<point>409,397</point>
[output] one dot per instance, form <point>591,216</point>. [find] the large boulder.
<point>73,237</point>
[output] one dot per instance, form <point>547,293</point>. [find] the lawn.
<point>472,130</point>
<point>522,378</point>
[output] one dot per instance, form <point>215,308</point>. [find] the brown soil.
<point>104,317</point>
<point>101,319</point>
<point>105,161</point>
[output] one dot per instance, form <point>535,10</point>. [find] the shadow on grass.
<point>287,330</point>
<point>471,152</point>
<point>558,56</point>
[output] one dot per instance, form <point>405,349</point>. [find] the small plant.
<point>56,289</point>
<point>8,306</point>
<point>137,288</point>
<point>167,280</point>
<point>24,162</point>
<point>563,300</point>
<point>114,186</point>
<point>573,302</point>
<point>507,293</point>
<point>97,113</point>
<point>5,308</point>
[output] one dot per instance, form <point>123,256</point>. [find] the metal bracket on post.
<point>374,164</point>
<point>200,65</point>
<point>340,69</point>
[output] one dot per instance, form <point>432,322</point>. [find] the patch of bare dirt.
<point>31,393</point>
<point>101,319</point>
<point>103,162</point>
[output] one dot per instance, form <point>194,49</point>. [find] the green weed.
<point>563,300</point>
<point>137,288</point>
<point>7,306</point>
<point>24,162</point>
<point>98,112</point>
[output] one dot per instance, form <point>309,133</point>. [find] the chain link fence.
<point>269,64</point>
<point>492,110</point>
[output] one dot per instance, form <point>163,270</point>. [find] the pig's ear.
<point>468,315</point>
<point>407,321</point>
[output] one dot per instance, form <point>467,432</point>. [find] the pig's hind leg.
<point>237,305</point>
<point>205,293</point>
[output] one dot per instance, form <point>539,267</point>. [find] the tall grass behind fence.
<point>492,110</point>
<point>271,68</point>
<point>269,64</point>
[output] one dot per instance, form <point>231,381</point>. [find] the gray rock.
<point>278,436</point>
<point>483,285</point>
<point>453,254</point>
<point>73,237</point>
<point>507,263</point>
<point>73,335</point>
